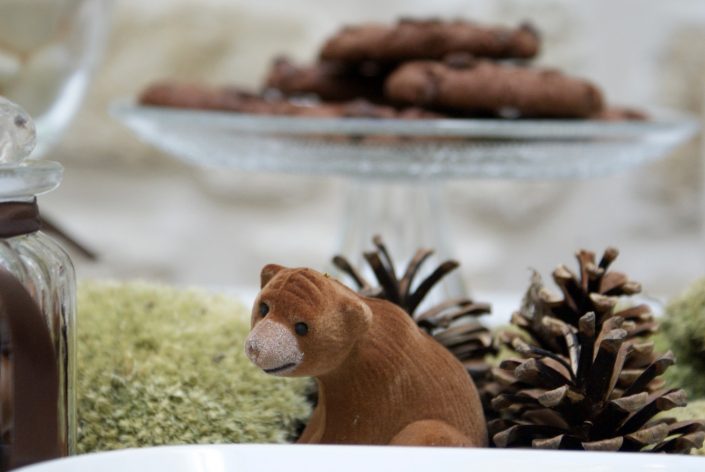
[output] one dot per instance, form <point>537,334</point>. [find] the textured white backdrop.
<point>150,217</point>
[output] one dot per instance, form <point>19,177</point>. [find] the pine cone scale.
<point>606,366</point>
<point>604,445</point>
<point>657,368</point>
<point>646,436</point>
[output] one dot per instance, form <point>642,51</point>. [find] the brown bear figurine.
<point>381,380</point>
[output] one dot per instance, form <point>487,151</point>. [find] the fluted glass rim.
<point>29,178</point>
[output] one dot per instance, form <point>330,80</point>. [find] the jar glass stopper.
<point>22,178</point>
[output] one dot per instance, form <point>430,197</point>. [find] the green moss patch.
<point>159,365</point>
<point>683,332</point>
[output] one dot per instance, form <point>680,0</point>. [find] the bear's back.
<point>425,380</point>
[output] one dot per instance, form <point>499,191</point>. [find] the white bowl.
<point>295,458</point>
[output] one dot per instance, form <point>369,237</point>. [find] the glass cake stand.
<point>395,169</point>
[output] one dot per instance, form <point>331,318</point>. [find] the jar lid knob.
<point>21,178</point>
<point>17,133</point>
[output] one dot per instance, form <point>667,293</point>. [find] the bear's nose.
<point>252,349</point>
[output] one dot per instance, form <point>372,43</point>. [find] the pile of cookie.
<point>412,69</point>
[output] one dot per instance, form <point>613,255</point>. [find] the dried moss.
<point>683,332</point>
<point>157,365</point>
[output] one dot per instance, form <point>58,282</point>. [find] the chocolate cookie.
<point>190,96</point>
<point>327,80</point>
<point>479,87</point>
<point>168,94</point>
<point>620,114</point>
<point>429,39</point>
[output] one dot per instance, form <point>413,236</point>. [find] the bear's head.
<point>304,323</point>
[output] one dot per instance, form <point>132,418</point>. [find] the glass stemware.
<point>48,49</point>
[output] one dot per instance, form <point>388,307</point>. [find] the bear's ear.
<point>358,314</point>
<point>268,272</point>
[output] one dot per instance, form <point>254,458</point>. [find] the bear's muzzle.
<point>272,347</point>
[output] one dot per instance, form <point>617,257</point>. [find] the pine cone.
<point>453,323</point>
<point>586,377</point>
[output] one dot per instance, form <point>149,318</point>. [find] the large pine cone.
<point>586,377</point>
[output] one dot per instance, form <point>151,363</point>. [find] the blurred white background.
<point>151,217</point>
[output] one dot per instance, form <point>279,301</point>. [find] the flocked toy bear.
<point>381,380</point>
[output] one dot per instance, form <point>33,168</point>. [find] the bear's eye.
<point>263,309</point>
<point>301,329</point>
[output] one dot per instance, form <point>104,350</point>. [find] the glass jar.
<point>35,260</point>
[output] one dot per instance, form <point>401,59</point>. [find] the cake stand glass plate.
<point>386,148</point>
<point>305,458</point>
<point>394,169</point>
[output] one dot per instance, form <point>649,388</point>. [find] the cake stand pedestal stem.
<point>408,214</point>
